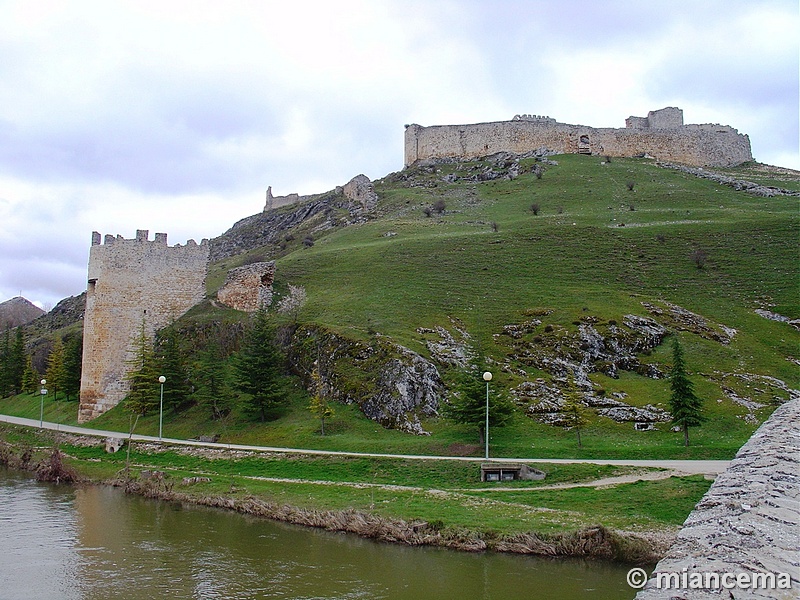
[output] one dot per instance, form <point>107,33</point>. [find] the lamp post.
<point>41,406</point>
<point>161,380</point>
<point>487,377</point>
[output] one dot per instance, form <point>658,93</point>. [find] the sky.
<point>175,116</point>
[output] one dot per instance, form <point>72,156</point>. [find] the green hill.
<point>582,272</point>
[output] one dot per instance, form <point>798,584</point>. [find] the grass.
<point>574,259</point>
<point>447,493</point>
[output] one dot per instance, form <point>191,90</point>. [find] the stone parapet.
<point>747,524</point>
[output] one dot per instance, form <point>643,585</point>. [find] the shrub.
<point>548,328</point>
<point>439,206</point>
<point>308,241</point>
<point>699,258</point>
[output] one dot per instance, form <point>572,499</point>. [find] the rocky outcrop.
<point>679,318</point>
<point>747,524</point>
<point>360,191</point>
<point>737,184</point>
<point>391,384</point>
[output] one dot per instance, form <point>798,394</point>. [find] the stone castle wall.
<point>661,135</point>
<point>132,282</point>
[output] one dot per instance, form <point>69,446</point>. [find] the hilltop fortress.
<point>661,135</point>
<point>132,284</point>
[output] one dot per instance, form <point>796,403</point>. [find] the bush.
<point>308,241</point>
<point>699,258</point>
<point>439,206</point>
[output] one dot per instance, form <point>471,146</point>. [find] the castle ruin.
<point>130,283</point>
<point>661,135</point>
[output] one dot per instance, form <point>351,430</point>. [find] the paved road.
<point>692,467</point>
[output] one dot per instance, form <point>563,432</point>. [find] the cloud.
<point>176,116</point>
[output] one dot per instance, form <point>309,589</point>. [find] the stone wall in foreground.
<point>748,522</point>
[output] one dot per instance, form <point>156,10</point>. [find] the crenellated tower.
<point>130,282</point>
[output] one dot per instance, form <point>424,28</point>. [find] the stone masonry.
<point>747,524</point>
<point>249,287</point>
<point>661,135</point>
<point>132,282</point>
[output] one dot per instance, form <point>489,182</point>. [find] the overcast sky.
<point>176,116</point>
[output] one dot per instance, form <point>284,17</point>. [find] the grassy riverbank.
<point>411,502</point>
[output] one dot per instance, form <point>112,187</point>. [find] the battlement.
<point>132,282</point>
<point>661,134</point>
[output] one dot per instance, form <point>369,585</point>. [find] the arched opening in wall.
<point>583,145</point>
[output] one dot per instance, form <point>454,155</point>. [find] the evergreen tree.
<point>17,361</point>
<point>172,365</point>
<point>260,367</point>
<point>469,406</point>
<point>73,360</point>
<point>213,390</point>
<point>5,364</point>
<point>685,406</point>
<point>143,395</point>
<point>56,373</point>
<point>30,378</point>
<point>574,412</point>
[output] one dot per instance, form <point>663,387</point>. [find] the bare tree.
<point>292,302</point>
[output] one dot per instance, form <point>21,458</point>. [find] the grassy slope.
<point>574,258</point>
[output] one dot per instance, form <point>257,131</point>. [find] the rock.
<point>390,384</point>
<point>360,191</point>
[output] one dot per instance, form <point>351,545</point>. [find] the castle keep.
<point>661,135</point>
<point>132,282</point>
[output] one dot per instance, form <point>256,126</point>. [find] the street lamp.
<point>161,380</point>
<point>41,407</point>
<point>487,377</point>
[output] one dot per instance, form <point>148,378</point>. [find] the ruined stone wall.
<point>132,282</point>
<point>748,522</point>
<point>696,145</point>
<point>248,288</point>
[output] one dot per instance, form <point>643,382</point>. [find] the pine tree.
<point>73,360</point>
<point>143,395</point>
<point>574,412</point>
<point>30,378</point>
<point>5,364</point>
<point>17,361</point>
<point>211,376</point>
<point>172,365</point>
<point>56,373</point>
<point>260,367</point>
<point>685,406</point>
<point>469,406</point>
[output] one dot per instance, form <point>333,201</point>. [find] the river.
<point>95,542</point>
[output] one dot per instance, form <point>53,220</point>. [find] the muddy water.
<point>60,542</point>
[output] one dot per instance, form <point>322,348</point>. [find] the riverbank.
<point>574,511</point>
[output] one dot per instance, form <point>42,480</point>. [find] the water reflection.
<point>98,543</point>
